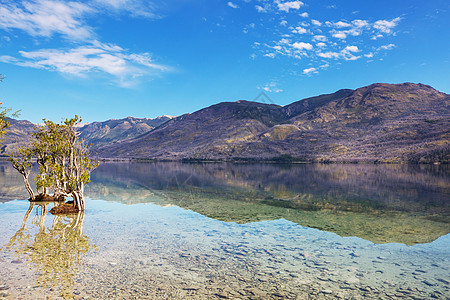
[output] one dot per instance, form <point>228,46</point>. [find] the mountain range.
<point>96,134</point>
<point>377,123</point>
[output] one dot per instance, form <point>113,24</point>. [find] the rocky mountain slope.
<point>112,131</point>
<point>98,133</point>
<point>380,122</point>
<point>16,135</point>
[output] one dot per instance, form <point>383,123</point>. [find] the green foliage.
<point>22,160</point>
<point>4,113</point>
<point>64,165</point>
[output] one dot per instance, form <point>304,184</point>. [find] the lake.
<point>233,231</point>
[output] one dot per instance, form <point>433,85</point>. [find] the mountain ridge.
<point>381,122</point>
<point>96,134</point>
<point>377,123</point>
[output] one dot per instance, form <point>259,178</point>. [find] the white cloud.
<point>97,57</point>
<point>302,45</point>
<point>341,24</point>
<point>271,87</point>
<point>283,23</point>
<point>351,57</point>
<point>329,54</point>
<point>46,18</point>
<point>340,35</point>
<point>299,30</point>
<point>135,8</point>
<point>248,27</point>
<point>316,23</point>
<point>351,49</point>
<point>304,15</point>
<point>387,47</point>
<point>261,9</point>
<point>310,71</point>
<point>360,23</point>
<point>386,26</point>
<point>271,55</point>
<point>348,53</point>
<point>376,37</point>
<point>320,38</point>
<point>286,6</point>
<point>232,5</point>
<point>332,41</point>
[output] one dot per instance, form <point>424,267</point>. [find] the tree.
<point>23,163</point>
<point>62,158</point>
<point>3,114</point>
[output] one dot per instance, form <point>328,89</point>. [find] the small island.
<point>64,165</point>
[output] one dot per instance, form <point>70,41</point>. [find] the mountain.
<point>97,134</point>
<point>381,122</point>
<point>112,131</point>
<point>16,135</point>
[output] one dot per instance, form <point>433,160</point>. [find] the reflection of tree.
<point>55,252</point>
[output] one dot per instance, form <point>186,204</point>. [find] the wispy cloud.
<point>232,5</point>
<point>98,57</point>
<point>134,8</point>
<point>47,18</point>
<point>386,26</point>
<point>271,87</point>
<point>387,47</point>
<point>83,53</point>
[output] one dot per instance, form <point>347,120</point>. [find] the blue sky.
<point>104,59</point>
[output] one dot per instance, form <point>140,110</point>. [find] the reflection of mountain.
<point>55,252</point>
<point>11,184</point>
<point>384,203</point>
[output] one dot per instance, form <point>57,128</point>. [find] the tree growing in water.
<point>4,112</point>
<point>62,158</point>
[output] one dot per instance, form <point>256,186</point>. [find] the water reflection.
<point>385,203</point>
<point>406,204</point>
<point>56,252</point>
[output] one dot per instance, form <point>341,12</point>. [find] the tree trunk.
<point>78,200</point>
<point>27,186</point>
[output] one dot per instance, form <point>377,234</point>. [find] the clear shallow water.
<point>238,231</point>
